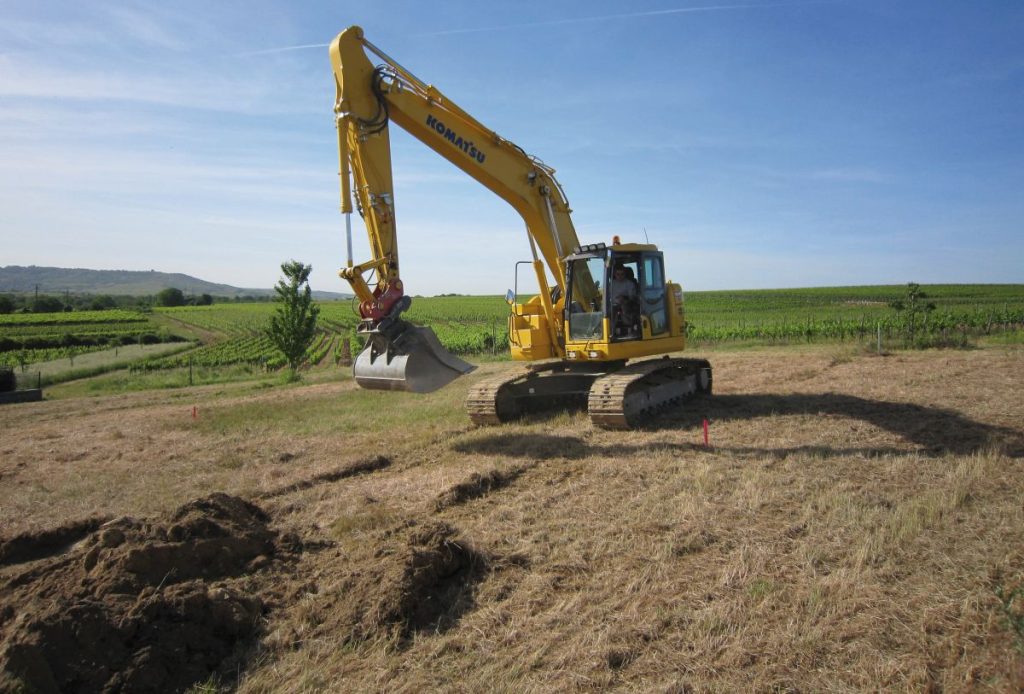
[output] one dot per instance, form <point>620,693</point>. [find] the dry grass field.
<point>857,523</point>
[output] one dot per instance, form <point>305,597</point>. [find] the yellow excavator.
<point>608,305</point>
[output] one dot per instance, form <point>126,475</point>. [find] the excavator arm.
<point>368,99</point>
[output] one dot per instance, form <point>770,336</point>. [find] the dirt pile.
<point>142,605</point>
<point>420,578</point>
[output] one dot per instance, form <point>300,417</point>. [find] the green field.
<point>845,313</point>
<point>232,334</point>
<point>78,329</point>
<point>16,320</point>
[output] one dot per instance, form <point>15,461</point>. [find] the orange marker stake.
<point>194,416</point>
<point>706,444</point>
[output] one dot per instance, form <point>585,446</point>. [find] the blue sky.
<point>758,143</point>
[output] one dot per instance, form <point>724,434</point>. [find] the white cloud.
<point>66,34</point>
<point>147,27</point>
<point>850,174</point>
<point>23,77</point>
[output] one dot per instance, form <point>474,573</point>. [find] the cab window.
<point>585,303</point>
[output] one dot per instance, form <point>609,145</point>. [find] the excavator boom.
<point>368,99</point>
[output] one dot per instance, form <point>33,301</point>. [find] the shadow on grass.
<point>934,431</point>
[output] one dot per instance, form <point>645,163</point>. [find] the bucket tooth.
<point>412,360</point>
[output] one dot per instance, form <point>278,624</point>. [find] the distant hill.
<point>57,280</point>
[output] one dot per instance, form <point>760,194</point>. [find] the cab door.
<point>652,292</point>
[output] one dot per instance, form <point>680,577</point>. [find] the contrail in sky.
<point>575,20</point>
<point>630,15</point>
<point>284,49</point>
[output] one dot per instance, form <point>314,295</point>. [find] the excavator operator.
<point>623,292</point>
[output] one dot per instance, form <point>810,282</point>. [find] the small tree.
<point>293,325</point>
<point>915,305</point>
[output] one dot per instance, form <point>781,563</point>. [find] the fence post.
<point>879,337</point>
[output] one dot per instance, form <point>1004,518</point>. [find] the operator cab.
<point>624,283</point>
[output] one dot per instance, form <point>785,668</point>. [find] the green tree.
<point>915,307</point>
<point>6,304</point>
<point>102,302</point>
<point>47,304</point>
<point>172,296</point>
<point>293,325</point>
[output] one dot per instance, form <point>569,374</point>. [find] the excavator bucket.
<point>414,360</point>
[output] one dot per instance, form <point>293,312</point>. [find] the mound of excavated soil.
<point>423,578</point>
<point>140,605</point>
<point>428,584</point>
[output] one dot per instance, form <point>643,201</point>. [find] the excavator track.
<point>482,401</point>
<point>616,397</point>
<point>541,387</point>
<point>629,397</point>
